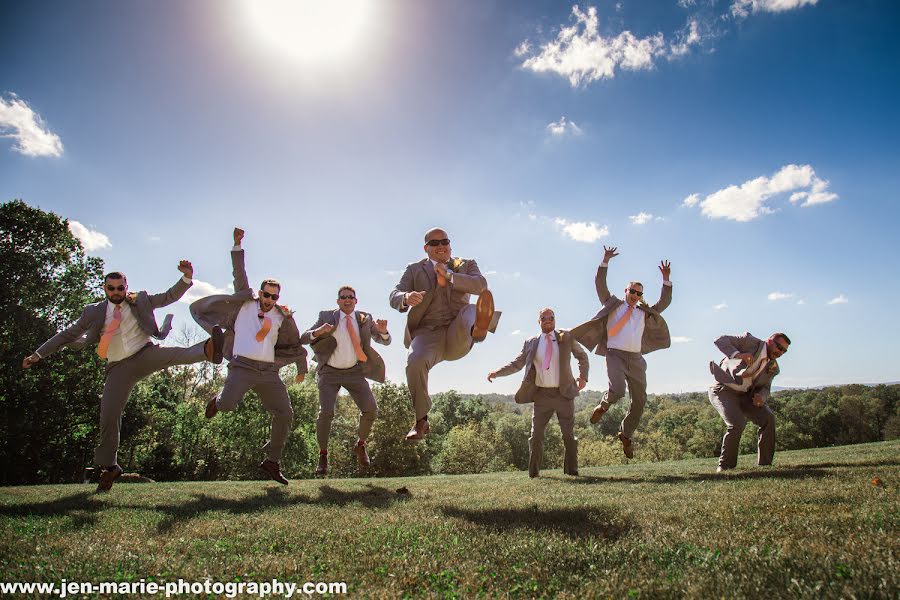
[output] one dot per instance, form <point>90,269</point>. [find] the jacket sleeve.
<point>238,271</point>
<point>581,356</point>
<point>66,336</point>
<point>173,294</point>
<point>307,337</point>
<point>399,293</point>
<point>516,364</point>
<point>471,281</point>
<point>376,335</point>
<point>733,344</point>
<point>665,299</point>
<point>600,283</point>
<point>289,347</point>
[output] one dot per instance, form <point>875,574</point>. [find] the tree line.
<point>49,414</point>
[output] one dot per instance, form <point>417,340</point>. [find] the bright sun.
<point>315,32</point>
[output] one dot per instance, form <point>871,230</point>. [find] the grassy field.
<point>813,526</point>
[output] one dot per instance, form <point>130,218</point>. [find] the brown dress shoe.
<point>484,314</point>
<point>627,446</point>
<point>214,346</point>
<point>107,477</point>
<point>322,468</point>
<point>211,408</point>
<point>271,467</point>
<point>419,430</point>
<point>598,413</point>
<point>360,451</point>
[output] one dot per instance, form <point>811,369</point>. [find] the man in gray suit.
<point>122,326</point>
<point>550,385</point>
<point>743,384</point>
<point>261,337</point>
<point>342,344</point>
<point>441,324</point>
<point>623,331</point>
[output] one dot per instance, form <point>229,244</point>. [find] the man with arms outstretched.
<point>261,337</point>
<point>123,327</point>
<point>623,331</point>
<point>441,324</point>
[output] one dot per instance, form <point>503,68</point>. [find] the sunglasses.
<point>636,292</point>
<point>779,346</point>
<point>116,288</point>
<point>435,243</point>
<point>267,295</point>
<point>342,297</point>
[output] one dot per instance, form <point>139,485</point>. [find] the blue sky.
<point>751,142</point>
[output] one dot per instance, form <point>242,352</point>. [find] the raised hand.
<point>325,329</point>
<point>414,298</point>
<point>186,268</point>
<point>746,357</point>
<point>491,376</point>
<point>238,236</point>
<point>758,401</point>
<point>609,253</point>
<point>381,326</point>
<point>665,267</point>
<point>30,360</point>
<point>581,383</point>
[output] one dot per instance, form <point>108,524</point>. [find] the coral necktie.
<point>617,327</point>
<point>354,337</point>
<point>441,279</point>
<point>266,326</point>
<point>106,338</point>
<point>548,352</point>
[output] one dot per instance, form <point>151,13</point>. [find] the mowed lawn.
<point>820,524</point>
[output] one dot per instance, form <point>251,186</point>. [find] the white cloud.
<point>721,306</point>
<point>748,200</point>
<point>680,339</point>
<point>154,238</point>
<point>516,332</point>
<point>641,218</point>
<point>841,299</point>
<point>522,49</point>
<point>588,232</point>
<point>780,296</point>
<point>563,127</point>
<point>742,8</point>
<point>393,273</point>
<point>90,239</point>
<point>201,289</point>
<point>687,38</point>
<point>801,302</point>
<point>19,122</point>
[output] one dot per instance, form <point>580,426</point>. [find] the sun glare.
<point>314,32</point>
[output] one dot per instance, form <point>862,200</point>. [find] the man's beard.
<point>117,301</point>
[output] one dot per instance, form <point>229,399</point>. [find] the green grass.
<point>813,526</point>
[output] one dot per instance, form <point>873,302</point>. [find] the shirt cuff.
<point>668,283</point>
<point>38,354</point>
<point>236,248</point>
<point>384,336</point>
<point>735,353</point>
<point>604,264</point>
<point>187,279</point>
<point>450,276</point>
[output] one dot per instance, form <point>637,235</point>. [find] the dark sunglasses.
<point>636,292</point>
<point>268,295</point>
<point>435,243</point>
<point>779,346</point>
<point>342,297</point>
<point>116,288</point>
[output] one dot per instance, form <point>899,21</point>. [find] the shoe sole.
<point>218,338</point>
<point>484,314</point>
<point>595,416</point>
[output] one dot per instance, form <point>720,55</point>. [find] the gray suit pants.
<point>546,402</point>
<point>736,408</point>
<point>631,368</point>
<point>330,382</point>
<point>431,346</point>
<point>121,377</point>
<point>245,375</point>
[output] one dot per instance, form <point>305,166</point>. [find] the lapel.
<point>430,276</point>
<point>361,319</point>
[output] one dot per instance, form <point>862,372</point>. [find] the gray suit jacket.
<point>731,370</point>
<point>567,386</point>
<point>223,309</point>
<point>323,347</point>
<point>89,326</point>
<point>420,277</point>
<point>592,334</point>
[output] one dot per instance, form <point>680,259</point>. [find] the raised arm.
<point>600,280</point>
<point>308,337</point>
<point>469,278</point>
<point>665,296</point>
<point>66,336</point>
<point>734,346</point>
<point>174,293</point>
<point>378,329</point>
<point>512,367</point>
<point>237,262</point>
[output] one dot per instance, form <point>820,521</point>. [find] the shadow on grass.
<point>573,522</point>
<point>82,508</point>
<point>816,471</point>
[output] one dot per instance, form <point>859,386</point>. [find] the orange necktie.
<point>615,329</point>
<point>354,337</point>
<point>441,279</point>
<point>106,338</point>
<point>264,330</point>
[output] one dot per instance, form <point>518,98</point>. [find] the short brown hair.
<point>346,287</point>
<point>782,336</point>
<point>634,283</point>
<point>114,275</point>
<point>272,282</point>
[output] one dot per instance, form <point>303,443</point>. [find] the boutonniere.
<point>131,297</point>
<point>772,367</point>
<point>455,264</point>
<point>362,317</point>
<point>285,311</point>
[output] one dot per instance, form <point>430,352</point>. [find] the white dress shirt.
<point>756,367</point>
<point>344,355</point>
<point>629,337</point>
<point>128,338</point>
<point>247,325</point>
<point>547,378</point>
